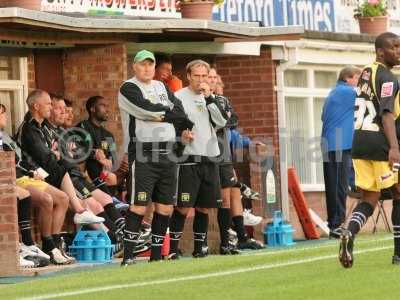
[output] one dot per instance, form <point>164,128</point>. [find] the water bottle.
<point>88,250</point>
<point>100,251</point>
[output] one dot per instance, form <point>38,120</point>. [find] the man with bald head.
<point>34,136</point>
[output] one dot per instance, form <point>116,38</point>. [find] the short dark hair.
<point>381,40</point>
<point>162,58</point>
<point>56,97</point>
<point>3,108</point>
<point>68,103</point>
<point>91,102</point>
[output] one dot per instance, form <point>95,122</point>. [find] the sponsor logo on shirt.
<point>387,89</point>
<point>163,99</point>
<point>104,145</point>
<point>185,197</point>
<point>366,75</point>
<point>142,196</point>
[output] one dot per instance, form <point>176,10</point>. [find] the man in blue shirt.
<point>336,141</point>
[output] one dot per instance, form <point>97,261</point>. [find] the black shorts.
<point>154,181</point>
<point>98,183</point>
<point>93,168</point>
<point>199,186</point>
<point>227,176</point>
<point>56,177</point>
<point>83,188</point>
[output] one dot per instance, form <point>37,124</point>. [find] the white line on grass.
<point>195,277</point>
<point>327,244</point>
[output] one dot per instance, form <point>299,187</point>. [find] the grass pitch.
<point>304,271</point>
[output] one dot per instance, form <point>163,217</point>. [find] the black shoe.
<point>127,262</point>
<point>228,250</point>
<point>151,260</point>
<point>200,254</point>
<point>173,256</point>
<point>346,249</point>
<point>396,260</point>
<point>250,244</point>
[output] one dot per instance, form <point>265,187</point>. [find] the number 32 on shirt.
<point>365,115</point>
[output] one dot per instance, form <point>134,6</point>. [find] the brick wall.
<point>249,84</point>
<point>96,71</point>
<point>8,216</point>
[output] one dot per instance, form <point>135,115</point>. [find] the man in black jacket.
<point>148,110</point>
<point>35,140</point>
<point>100,162</point>
<point>113,219</point>
<point>230,187</point>
<point>52,203</point>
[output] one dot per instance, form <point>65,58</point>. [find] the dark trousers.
<point>337,165</point>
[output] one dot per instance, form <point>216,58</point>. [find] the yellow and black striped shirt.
<point>377,93</point>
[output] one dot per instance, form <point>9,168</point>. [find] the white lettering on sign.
<point>319,15</point>
<point>149,8</point>
<point>313,14</point>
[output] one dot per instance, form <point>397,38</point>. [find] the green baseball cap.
<point>143,55</point>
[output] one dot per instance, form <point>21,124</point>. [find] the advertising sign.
<point>139,8</point>
<point>318,15</point>
<point>313,14</point>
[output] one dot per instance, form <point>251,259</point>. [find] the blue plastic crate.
<point>278,233</point>
<point>92,246</point>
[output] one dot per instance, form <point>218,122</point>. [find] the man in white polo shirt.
<point>199,184</point>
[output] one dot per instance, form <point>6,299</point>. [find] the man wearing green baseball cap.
<point>143,55</point>
<point>152,119</point>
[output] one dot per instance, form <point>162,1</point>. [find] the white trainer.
<point>57,258</point>
<point>87,217</point>
<point>24,263</point>
<point>34,251</point>
<point>249,219</point>
<point>70,259</point>
<point>62,249</point>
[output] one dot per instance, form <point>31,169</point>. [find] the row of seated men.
<point>49,176</point>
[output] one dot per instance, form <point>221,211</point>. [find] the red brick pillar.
<point>9,264</point>
<point>96,71</point>
<point>28,4</point>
